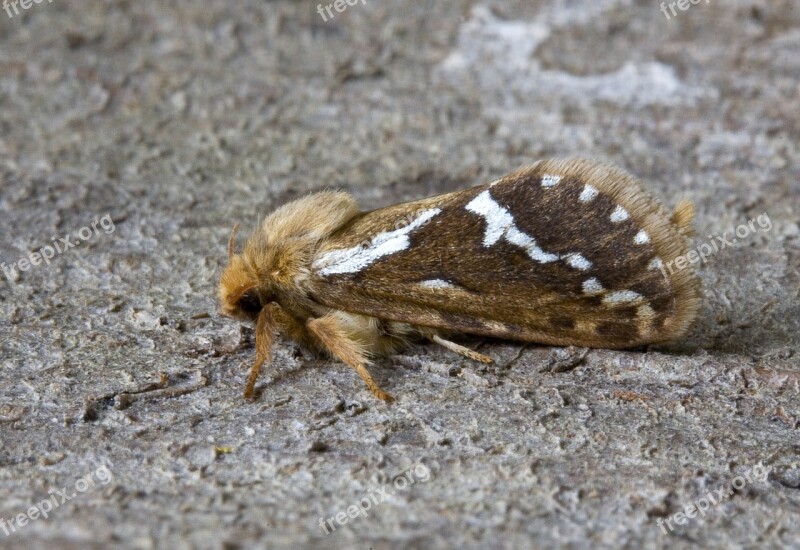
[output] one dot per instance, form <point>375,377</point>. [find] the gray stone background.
<point>179,118</point>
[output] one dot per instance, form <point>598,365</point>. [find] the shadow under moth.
<point>562,252</point>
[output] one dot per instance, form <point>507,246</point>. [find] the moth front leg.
<point>271,318</point>
<point>333,333</point>
<point>263,348</point>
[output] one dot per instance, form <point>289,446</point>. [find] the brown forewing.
<point>500,290</point>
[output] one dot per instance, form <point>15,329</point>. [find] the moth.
<point>562,252</point>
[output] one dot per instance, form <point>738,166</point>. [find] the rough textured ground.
<point>180,118</point>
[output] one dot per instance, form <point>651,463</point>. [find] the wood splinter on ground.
<point>152,390</point>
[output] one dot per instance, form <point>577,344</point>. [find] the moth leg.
<point>461,350</point>
<point>333,334</point>
<point>271,317</point>
<point>263,348</point>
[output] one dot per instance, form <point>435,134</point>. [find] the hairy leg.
<point>335,336</point>
<point>272,317</point>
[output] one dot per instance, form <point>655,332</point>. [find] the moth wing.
<point>561,252</point>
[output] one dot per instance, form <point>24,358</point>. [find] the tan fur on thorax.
<point>274,269</point>
<point>275,260</point>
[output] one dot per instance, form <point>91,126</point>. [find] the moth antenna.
<point>232,242</point>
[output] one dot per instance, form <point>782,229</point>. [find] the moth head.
<point>240,295</point>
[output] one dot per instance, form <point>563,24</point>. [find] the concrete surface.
<point>177,119</point>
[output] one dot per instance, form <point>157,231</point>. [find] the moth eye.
<point>250,302</point>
